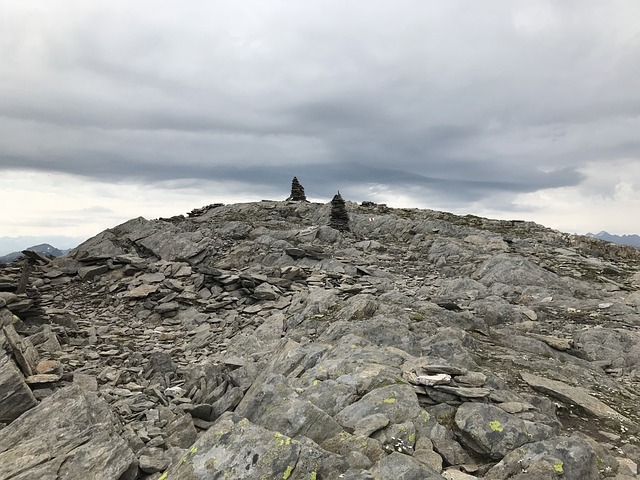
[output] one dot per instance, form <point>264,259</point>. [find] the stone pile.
<point>253,341</point>
<point>339,218</point>
<point>297,191</point>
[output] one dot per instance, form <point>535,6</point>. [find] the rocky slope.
<point>254,341</point>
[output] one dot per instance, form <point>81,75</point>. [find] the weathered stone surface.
<point>228,401</point>
<point>266,404</point>
<point>489,430</point>
<point>396,402</point>
<point>239,449</point>
<point>562,344</point>
<point>575,395</point>
<point>141,291</point>
<point>71,434</point>
<point>264,291</point>
<point>571,457</point>
<point>15,396</point>
<point>181,432</point>
<point>403,467</point>
<point>465,392</point>
<point>263,309</point>
<point>23,350</point>
<point>606,344</point>
<point>344,444</point>
<point>153,463</point>
<point>511,270</point>
<point>369,424</point>
<point>87,273</point>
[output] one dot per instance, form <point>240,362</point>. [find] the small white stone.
<point>174,392</point>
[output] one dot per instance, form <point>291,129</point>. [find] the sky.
<point>506,109</point>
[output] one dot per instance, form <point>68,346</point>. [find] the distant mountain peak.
<point>41,248</point>
<point>631,240</point>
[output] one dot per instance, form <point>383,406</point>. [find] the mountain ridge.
<point>17,244</point>
<point>43,248</point>
<point>253,340</point>
<point>631,240</point>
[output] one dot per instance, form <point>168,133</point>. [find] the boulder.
<point>71,434</point>
<point>397,402</point>
<point>570,458</point>
<point>488,430</point>
<point>274,404</point>
<point>578,396</point>
<point>15,396</point>
<point>237,448</point>
<point>403,467</point>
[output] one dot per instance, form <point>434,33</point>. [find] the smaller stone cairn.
<point>339,218</point>
<point>297,192</point>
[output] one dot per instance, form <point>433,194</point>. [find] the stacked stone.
<point>339,218</point>
<point>297,191</point>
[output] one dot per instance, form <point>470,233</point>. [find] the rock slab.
<point>70,435</point>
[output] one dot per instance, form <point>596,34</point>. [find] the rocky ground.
<point>254,341</point>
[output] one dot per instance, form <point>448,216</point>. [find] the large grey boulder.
<point>355,362</point>
<point>183,245</point>
<point>511,269</point>
<point>620,347</point>
<point>403,467</point>
<point>71,434</point>
<point>379,330</point>
<point>15,396</point>
<point>488,430</point>
<point>274,404</point>
<point>578,396</point>
<point>113,241</point>
<point>236,448</point>
<point>570,458</point>
<point>397,402</point>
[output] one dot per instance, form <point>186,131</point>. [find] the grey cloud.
<point>453,100</point>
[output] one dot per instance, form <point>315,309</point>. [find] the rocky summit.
<point>254,341</point>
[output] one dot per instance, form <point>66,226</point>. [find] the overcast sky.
<point>508,109</point>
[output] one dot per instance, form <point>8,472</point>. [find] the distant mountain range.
<point>43,248</point>
<point>632,240</point>
<point>10,245</point>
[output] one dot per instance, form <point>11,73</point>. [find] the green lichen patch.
<point>496,426</point>
<point>558,466</point>
<point>287,472</point>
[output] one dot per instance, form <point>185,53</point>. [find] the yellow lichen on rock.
<point>558,466</point>
<point>496,426</point>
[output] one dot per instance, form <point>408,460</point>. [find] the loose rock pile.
<point>254,341</point>
<point>297,191</point>
<point>339,216</point>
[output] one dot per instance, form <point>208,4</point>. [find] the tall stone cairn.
<point>297,191</point>
<point>339,218</point>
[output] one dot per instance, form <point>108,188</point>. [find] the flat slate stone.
<point>141,291</point>
<point>575,395</point>
<point>15,396</point>
<point>467,392</point>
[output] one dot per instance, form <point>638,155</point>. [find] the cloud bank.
<point>504,108</point>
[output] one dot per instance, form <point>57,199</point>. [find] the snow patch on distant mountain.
<point>17,244</point>
<point>43,248</point>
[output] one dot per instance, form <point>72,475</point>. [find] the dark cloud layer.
<point>457,100</point>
